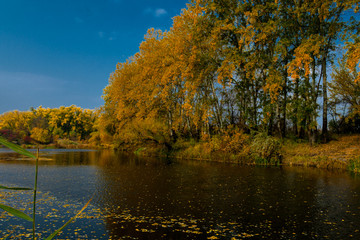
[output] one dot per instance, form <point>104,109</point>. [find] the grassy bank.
<point>236,147</point>
<point>62,143</point>
<point>342,152</point>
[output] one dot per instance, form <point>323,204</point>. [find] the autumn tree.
<point>44,124</point>
<point>253,64</point>
<point>345,96</point>
<point>323,27</point>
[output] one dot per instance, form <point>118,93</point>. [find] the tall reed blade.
<point>68,222</point>
<point>20,214</point>
<point>35,189</point>
<point>14,188</point>
<point>8,209</point>
<point>16,148</point>
<point>16,212</point>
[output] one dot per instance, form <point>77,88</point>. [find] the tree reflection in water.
<point>147,198</point>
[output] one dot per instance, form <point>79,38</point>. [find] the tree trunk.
<point>325,103</point>
<point>283,124</point>
<point>296,97</point>
<point>312,130</point>
<point>278,117</point>
<point>171,129</point>
<point>217,107</point>
<point>254,106</point>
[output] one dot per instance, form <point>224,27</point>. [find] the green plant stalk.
<point>9,209</point>
<point>35,188</point>
<point>22,215</point>
<point>16,148</point>
<point>68,222</point>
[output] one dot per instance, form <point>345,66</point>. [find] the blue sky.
<point>57,53</point>
<point>61,52</point>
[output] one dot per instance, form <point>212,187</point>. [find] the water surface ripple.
<point>145,198</point>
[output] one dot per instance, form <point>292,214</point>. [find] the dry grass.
<point>335,154</point>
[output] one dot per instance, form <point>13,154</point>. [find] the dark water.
<point>138,198</point>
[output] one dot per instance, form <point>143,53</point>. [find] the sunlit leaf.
<point>16,213</point>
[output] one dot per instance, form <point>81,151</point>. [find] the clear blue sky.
<point>61,52</point>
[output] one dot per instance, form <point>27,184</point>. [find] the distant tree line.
<point>46,125</point>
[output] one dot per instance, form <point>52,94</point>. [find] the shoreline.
<point>342,152</point>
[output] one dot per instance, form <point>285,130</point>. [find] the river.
<point>147,198</point>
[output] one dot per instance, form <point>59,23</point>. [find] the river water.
<point>146,198</point>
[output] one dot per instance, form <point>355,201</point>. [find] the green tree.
<point>345,92</point>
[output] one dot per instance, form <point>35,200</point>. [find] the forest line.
<point>251,65</point>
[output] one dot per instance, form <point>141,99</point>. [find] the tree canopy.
<point>45,125</point>
<point>258,65</point>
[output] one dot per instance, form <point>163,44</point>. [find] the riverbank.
<point>342,152</point>
<point>62,144</point>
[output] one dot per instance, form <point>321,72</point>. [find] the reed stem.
<point>35,188</point>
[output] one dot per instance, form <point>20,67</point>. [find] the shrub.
<point>266,149</point>
<point>66,143</point>
<point>354,165</point>
<point>41,135</point>
<point>8,134</point>
<point>27,139</point>
<point>235,141</point>
<point>345,125</point>
<point>232,141</point>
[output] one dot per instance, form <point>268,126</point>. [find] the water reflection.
<point>228,201</point>
<point>161,199</point>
